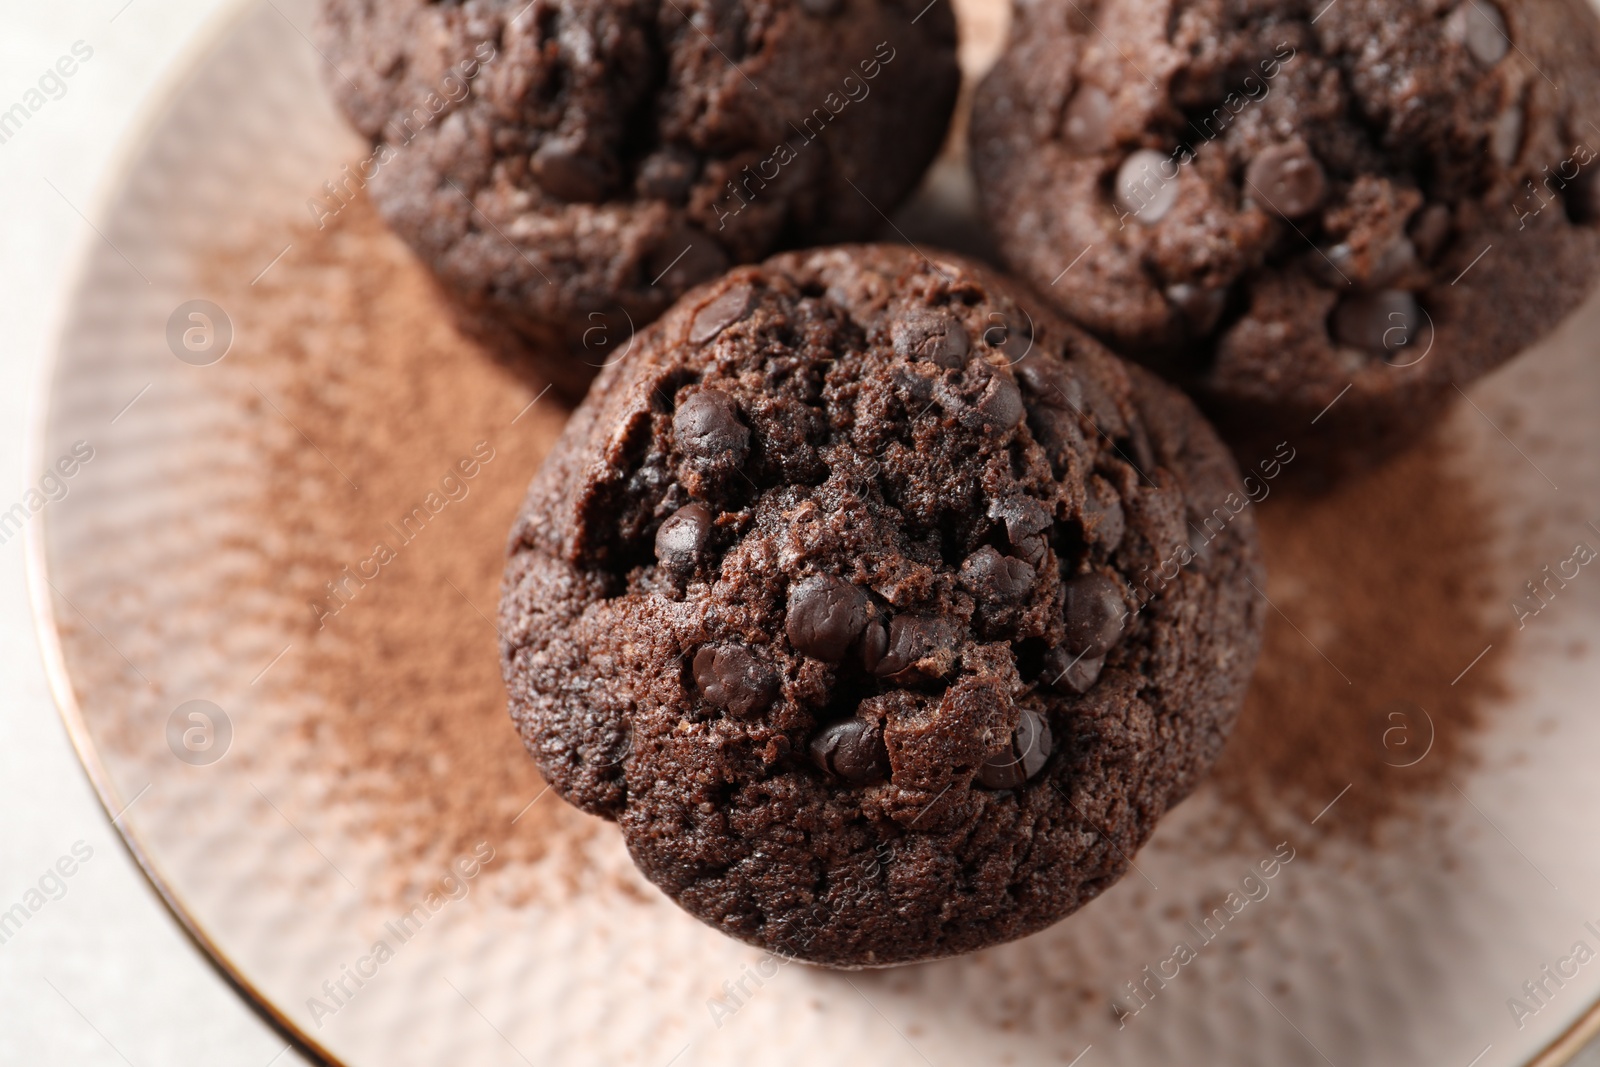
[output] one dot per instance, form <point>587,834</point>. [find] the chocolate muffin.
<point>885,612</point>
<point>569,168</point>
<point>1301,211</point>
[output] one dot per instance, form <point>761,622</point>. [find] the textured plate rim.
<point>168,88</point>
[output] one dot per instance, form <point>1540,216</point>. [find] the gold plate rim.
<point>169,86</point>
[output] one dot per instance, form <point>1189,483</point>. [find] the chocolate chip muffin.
<point>569,168</point>
<point>884,611</point>
<point>1302,211</point>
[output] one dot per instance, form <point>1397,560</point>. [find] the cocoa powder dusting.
<point>395,472</point>
<point>1380,589</point>
<point>1380,583</point>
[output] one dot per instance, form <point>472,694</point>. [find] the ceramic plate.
<point>151,596</point>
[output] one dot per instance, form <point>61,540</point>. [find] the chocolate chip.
<point>1033,741</point>
<point>1023,758</point>
<point>1000,406</point>
<point>1382,323</point>
<point>826,615</point>
<point>1147,185</point>
<point>1057,400</point>
<point>1505,137</point>
<point>1430,230</point>
<point>682,537</point>
<point>667,174</point>
<point>564,171</point>
<point>1026,521</point>
<point>1010,334</point>
<point>1094,612</point>
<point>727,309</point>
<point>1022,516</point>
<point>1051,385</point>
<point>1003,770</point>
<point>852,750</point>
<point>1086,127</point>
<point>931,335</point>
<point>919,648</point>
<point>916,387</point>
<point>1071,674</point>
<point>995,578</point>
<point>874,643</point>
<point>1479,25</point>
<point>1289,178</point>
<point>1031,549</point>
<point>1200,306</point>
<point>731,677</point>
<point>1103,519</point>
<point>1340,266</point>
<point>820,8</point>
<point>1102,409</point>
<point>707,426</point>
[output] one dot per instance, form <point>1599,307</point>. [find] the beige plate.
<point>1358,956</point>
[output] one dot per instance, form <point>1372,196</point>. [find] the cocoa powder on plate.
<point>377,408</point>
<point>1378,586</point>
<point>1380,590</point>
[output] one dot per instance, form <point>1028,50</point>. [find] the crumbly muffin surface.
<point>570,167</point>
<point>884,611</point>
<point>1284,203</point>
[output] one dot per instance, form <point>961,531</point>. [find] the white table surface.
<point>103,975</point>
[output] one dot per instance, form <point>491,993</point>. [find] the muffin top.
<point>1277,200</point>
<point>573,164</point>
<point>883,610</point>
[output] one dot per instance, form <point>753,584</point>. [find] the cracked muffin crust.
<point>1277,201</point>
<point>569,168</point>
<point>885,612</point>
